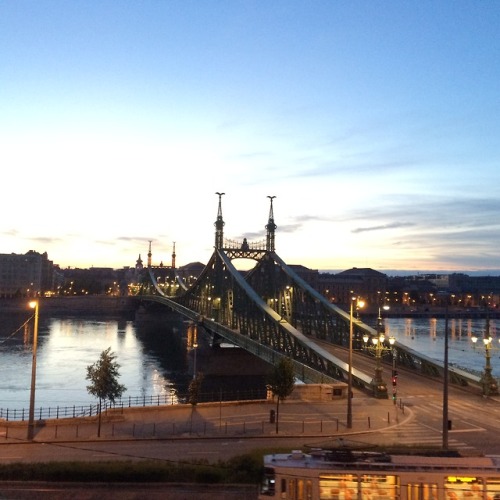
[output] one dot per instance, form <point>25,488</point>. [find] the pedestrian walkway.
<point>209,420</point>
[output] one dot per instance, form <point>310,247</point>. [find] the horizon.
<point>388,272</point>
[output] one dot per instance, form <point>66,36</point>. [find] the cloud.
<point>394,225</point>
<point>45,240</point>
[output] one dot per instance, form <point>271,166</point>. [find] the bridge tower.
<point>271,228</point>
<point>219,225</point>
<point>149,255</point>
<point>173,258</point>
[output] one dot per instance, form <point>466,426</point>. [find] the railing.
<point>90,410</point>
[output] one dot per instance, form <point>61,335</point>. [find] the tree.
<point>103,375</point>
<point>281,382</point>
<point>194,389</point>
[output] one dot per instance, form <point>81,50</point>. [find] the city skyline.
<point>375,125</point>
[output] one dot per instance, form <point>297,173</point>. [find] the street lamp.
<point>488,382</point>
<point>31,419</point>
<point>195,345</point>
<point>378,346</point>
<point>359,304</point>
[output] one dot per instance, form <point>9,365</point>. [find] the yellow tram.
<point>358,475</point>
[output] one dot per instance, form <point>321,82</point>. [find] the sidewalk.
<point>212,420</point>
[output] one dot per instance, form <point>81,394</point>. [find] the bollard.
<point>388,418</point>
<point>321,426</point>
<point>369,423</point>
<point>303,424</point>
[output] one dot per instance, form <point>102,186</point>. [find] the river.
<point>427,336</point>
<point>155,360</point>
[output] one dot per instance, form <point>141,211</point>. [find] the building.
<point>28,275</point>
<point>367,283</point>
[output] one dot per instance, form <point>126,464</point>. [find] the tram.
<point>358,475</point>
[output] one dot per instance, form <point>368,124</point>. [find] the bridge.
<point>272,312</point>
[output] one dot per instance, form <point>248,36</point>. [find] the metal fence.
<point>80,411</point>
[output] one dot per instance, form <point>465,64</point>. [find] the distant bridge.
<point>272,312</point>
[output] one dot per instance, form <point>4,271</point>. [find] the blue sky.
<point>375,124</point>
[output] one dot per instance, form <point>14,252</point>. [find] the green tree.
<point>194,389</point>
<point>281,382</point>
<point>103,375</point>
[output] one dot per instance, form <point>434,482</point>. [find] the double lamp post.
<point>378,345</point>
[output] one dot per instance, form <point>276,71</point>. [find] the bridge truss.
<point>272,312</point>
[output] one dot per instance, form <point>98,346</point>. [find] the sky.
<point>375,124</point>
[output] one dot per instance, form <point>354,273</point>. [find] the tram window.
<point>283,488</point>
<point>309,492</point>
<point>338,487</point>
<point>493,488</point>
<point>463,488</point>
<point>379,487</point>
<point>300,489</point>
<point>268,486</point>
<point>422,491</point>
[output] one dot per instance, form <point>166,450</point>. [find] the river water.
<point>155,360</point>
<point>427,336</point>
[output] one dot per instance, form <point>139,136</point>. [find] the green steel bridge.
<point>272,312</point>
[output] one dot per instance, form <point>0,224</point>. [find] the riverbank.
<point>102,305</point>
<point>129,306</point>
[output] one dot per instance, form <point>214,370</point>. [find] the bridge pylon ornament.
<point>219,224</point>
<point>270,228</point>
<point>245,249</point>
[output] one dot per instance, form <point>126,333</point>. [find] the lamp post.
<point>31,418</point>
<point>359,304</point>
<point>379,385</point>
<point>394,372</point>
<point>446,422</point>
<point>488,382</point>
<point>195,345</point>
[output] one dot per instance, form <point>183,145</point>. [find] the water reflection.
<point>151,357</point>
<point>426,336</point>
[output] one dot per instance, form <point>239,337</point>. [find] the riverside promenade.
<point>244,419</point>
